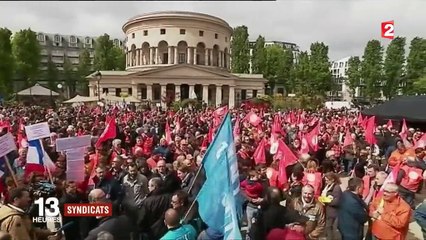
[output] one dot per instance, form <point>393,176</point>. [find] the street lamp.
<point>59,86</point>
<point>98,76</point>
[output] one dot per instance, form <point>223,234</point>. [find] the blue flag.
<point>218,198</point>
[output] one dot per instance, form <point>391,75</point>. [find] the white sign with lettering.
<point>37,131</point>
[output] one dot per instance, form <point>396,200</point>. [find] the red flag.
<point>304,148</point>
<point>237,129</point>
<point>360,120</point>
<point>391,178</point>
<point>220,112</point>
<point>421,143</point>
<point>253,119</point>
<point>286,158</point>
<point>109,133</point>
<point>348,139</point>
<point>370,129</point>
<point>312,137</point>
<point>259,154</point>
<point>389,125</point>
<point>276,125</point>
<point>404,134</point>
<point>168,133</point>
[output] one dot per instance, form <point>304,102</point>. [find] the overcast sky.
<point>344,25</point>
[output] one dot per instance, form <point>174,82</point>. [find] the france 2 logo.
<point>388,29</point>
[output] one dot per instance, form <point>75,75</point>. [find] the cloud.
<point>344,25</point>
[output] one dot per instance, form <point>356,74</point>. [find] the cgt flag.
<point>218,199</point>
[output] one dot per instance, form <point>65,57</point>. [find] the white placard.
<point>63,144</point>
<point>75,166</point>
<point>37,131</point>
<point>7,144</point>
<point>76,176</point>
<point>76,154</point>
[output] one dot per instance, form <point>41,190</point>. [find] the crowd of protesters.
<point>151,172</point>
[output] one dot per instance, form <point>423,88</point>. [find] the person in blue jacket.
<point>352,212</point>
<point>176,230</point>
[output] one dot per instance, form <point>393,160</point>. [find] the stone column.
<point>195,57</point>
<point>188,54</point>
<point>176,55</point>
<point>135,90</point>
<point>206,57</point>
<point>211,57</point>
<point>191,90</point>
<point>169,57</point>
<point>206,94</point>
<point>163,93</point>
<point>149,92</point>
<point>151,53</point>
<point>231,103</point>
<point>156,56</point>
<point>127,59</point>
<point>177,92</point>
<point>220,59</point>
<point>218,95</point>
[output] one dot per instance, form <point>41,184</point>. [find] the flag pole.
<point>45,167</point>
<point>9,167</point>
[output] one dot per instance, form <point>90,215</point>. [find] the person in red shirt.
<point>252,188</point>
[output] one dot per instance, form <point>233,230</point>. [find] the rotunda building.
<point>175,55</point>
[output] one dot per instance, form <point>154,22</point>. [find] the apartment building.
<point>58,47</point>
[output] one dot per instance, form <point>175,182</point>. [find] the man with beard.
<point>309,207</point>
<point>135,187</point>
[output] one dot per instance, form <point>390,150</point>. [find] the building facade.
<point>178,54</point>
<point>58,47</point>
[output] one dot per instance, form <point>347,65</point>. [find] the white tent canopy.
<point>129,99</point>
<point>78,99</point>
<point>37,90</point>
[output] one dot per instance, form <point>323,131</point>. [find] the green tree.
<point>119,58</point>
<point>320,68</point>
<point>69,76</point>
<point>105,57</point>
<point>6,63</point>
<point>26,51</point>
<point>302,74</point>
<point>83,70</point>
<point>258,59</point>
<point>393,67</point>
<point>240,53</point>
<point>274,65</point>
<point>354,74</point>
<point>420,85</point>
<point>371,69</point>
<point>52,75</point>
<point>416,64</point>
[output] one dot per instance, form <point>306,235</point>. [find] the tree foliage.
<point>69,76</point>
<point>371,69</point>
<point>393,67</point>
<point>320,68</point>
<point>302,78</point>
<point>108,56</point>
<point>258,59</point>
<point>276,67</point>
<point>354,74</point>
<point>416,65</point>
<point>84,69</point>
<point>26,51</point>
<point>240,53</point>
<point>52,75</point>
<point>420,85</point>
<point>6,63</point>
